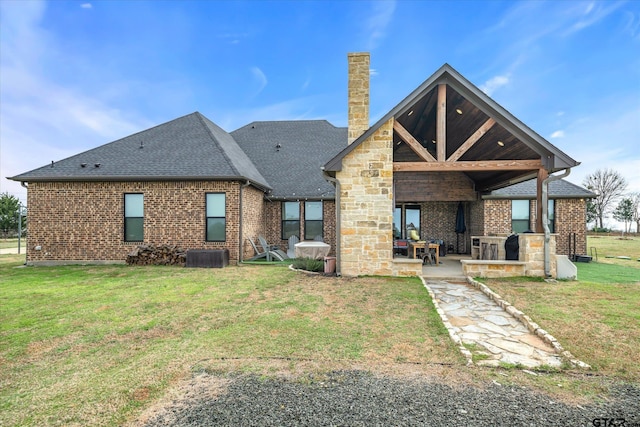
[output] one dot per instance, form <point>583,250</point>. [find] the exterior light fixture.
<point>501,144</point>
<point>459,111</point>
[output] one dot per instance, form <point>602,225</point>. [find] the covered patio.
<point>444,145</point>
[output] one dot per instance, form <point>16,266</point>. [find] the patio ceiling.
<point>473,142</point>
<point>449,125</point>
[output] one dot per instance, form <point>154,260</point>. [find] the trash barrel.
<point>329,264</point>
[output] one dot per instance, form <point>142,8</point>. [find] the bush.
<point>601,230</point>
<point>308,264</point>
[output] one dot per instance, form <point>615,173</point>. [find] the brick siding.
<point>84,221</point>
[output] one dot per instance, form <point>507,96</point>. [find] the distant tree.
<point>635,201</point>
<point>609,186</point>
<point>9,211</point>
<point>624,213</point>
<point>592,215</point>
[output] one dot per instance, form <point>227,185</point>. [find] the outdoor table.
<point>423,245</point>
<point>312,249</point>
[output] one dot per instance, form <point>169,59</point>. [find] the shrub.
<point>308,264</point>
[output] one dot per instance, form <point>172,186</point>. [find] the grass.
<point>596,318</point>
<point>94,345</point>
<point>12,243</point>
<point>97,345</point>
<point>609,247</point>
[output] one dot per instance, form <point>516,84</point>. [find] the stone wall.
<point>358,97</point>
<point>532,253</point>
<point>366,206</point>
<point>530,260</point>
<point>84,221</point>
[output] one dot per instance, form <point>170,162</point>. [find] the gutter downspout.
<point>336,183</point>
<point>545,218</point>
<point>240,247</point>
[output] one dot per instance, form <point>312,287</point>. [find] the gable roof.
<point>189,147</point>
<point>559,189</point>
<point>527,144</point>
<point>290,154</point>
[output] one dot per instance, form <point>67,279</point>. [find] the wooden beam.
<point>542,175</point>
<point>412,142</point>
<point>467,166</point>
<point>441,123</point>
<point>472,140</point>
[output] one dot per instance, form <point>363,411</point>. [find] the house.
<point>190,183</point>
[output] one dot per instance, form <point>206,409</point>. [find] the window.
<point>290,219</point>
<point>216,217</point>
<point>133,217</point>
<point>397,221</point>
<point>405,219</point>
<point>520,216</point>
<point>551,216</point>
<point>313,224</point>
<point>411,220</point>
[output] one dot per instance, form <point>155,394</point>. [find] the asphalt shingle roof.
<point>189,147</point>
<point>560,189</point>
<point>290,154</point>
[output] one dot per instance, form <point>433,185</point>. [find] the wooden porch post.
<point>542,175</point>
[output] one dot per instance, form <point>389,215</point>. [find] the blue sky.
<point>78,74</point>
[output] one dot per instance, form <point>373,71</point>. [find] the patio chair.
<point>268,255</point>
<point>272,249</point>
<point>291,250</point>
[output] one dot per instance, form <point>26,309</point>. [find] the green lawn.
<point>597,318</point>
<point>12,243</point>
<point>607,248</point>
<point>93,345</point>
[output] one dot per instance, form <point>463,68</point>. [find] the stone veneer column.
<point>358,97</point>
<point>366,206</point>
<point>532,252</point>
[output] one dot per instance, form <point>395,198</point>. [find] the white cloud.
<point>260,78</point>
<point>376,25</point>
<point>86,5</point>
<point>494,83</point>
<point>41,120</point>
<point>592,14</point>
<point>558,134</point>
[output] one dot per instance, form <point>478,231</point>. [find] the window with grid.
<point>290,219</point>
<point>216,217</point>
<point>313,221</point>
<point>133,217</point>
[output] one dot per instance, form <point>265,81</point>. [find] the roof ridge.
<point>224,152</point>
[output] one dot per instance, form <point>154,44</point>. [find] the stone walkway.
<point>491,335</point>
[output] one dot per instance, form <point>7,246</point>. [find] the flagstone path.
<point>492,335</point>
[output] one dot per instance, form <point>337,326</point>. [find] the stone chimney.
<point>358,94</point>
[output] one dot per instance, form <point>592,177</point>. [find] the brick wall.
<point>253,215</point>
<point>497,217</point>
<point>273,218</point>
<point>366,206</point>
<point>83,221</point>
<point>570,217</point>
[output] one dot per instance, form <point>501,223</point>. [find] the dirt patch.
<point>201,387</point>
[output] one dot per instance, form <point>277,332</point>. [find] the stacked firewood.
<point>157,255</point>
